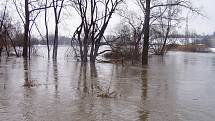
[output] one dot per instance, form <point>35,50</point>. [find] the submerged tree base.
<point>30,83</point>
<point>108,95</point>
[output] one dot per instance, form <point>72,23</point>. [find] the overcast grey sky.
<point>197,24</point>
<point>201,24</point>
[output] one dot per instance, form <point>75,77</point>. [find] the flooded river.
<point>177,87</point>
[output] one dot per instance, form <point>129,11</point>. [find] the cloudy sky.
<point>202,24</point>
<point>199,24</point>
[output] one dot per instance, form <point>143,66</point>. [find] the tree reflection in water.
<point>143,115</point>
<point>87,80</point>
<point>144,77</point>
<point>27,82</point>
<point>55,75</point>
<point>28,93</point>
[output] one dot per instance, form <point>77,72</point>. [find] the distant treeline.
<point>18,40</point>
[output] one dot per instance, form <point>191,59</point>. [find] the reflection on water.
<point>55,75</point>
<point>144,77</point>
<point>177,87</point>
<point>26,74</point>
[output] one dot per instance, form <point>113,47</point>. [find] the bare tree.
<point>47,30</point>
<point>149,7</point>
<point>11,40</point>
<point>6,28</point>
<point>57,7</point>
<point>164,28</point>
<point>146,33</point>
<point>26,29</point>
<point>2,42</point>
<point>31,11</point>
<point>136,24</point>
<point>95,16</point>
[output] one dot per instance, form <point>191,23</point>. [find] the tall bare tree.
<point>136,24</point>
<point>32,9</point>
<point>26,29</point>
<point>57,7</point>
<point>146,33</point>
<point>164,28</point>
<point>95,16</point>
<point>149,9</point>
<point>2,19</point>
<point>6,28</point>
<point>47,29</point>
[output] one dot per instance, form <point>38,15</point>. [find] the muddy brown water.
<point>177,87</point>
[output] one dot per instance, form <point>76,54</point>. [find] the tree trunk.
<point>25,46</point>
<point>57,17</point>
<point>55,47</point>
<point>14,47</point>
<point>146,34</point>
<point>92,52</point>
<point>93,57</point>
<point>5,43</point>
<point>29,45</point>
<point>136,46</point>
<point>1,50</point>
<point>165,39</point>
<point>47,31</point>
<point>81,51</point>
<point>85,50</point>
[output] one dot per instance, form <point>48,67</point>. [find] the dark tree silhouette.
<point>95,16</point>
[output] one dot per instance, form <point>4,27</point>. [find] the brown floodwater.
<point>177,87</point>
